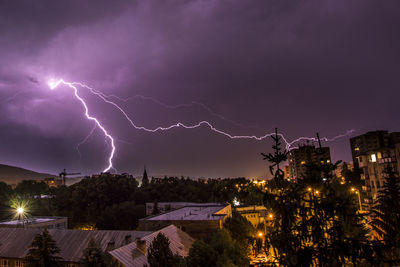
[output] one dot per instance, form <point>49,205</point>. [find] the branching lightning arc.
<point>74,86</point>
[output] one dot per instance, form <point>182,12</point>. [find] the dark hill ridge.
<point>14,175</point>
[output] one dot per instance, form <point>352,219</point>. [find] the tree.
<point>240,229</point>
<point>93,256</point>
<point>220,250</point>
<point>386,217</point>
<point>160,255</point>
<point>43,251</point>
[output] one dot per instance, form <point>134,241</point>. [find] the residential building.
<point>339,169</point>
<point>135,254</point>
<point>197,221</point>
<point>37,222</point>
<point>286,172</point>
<point>15,242</point>
<point>306,154</point>
<point>168,206</point>
<point>372,153</point>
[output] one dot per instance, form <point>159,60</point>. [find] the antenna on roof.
<point>319,141</point>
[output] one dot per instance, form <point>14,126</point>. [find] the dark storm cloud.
<point>302,66</point>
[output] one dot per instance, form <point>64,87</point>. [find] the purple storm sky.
<point>302,66</point>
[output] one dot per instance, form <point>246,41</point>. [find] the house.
<point>15,242</point>
<point>135,253</point>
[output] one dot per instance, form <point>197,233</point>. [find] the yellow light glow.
<point>357,149</point>
<point>260,234</point>
<point>317,192</point>
<point>303,162</point>
<point>270,216</point>
<point>353,189</point>
<point>309,189</point>
<point>20,210</point>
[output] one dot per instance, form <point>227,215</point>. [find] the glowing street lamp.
<point>20,211</point>
<point>354,190</point>
<point>260,234</point>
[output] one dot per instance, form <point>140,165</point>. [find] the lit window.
<point>357,149</point>
<point>303,162</point>
<point>328,161</point>
<point>4,263</point>
<point>373,158</point>
<point>19,264</point>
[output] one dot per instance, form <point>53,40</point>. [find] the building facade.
<point>306,154</point>
<point>372,153</point>
<point>255,214</point>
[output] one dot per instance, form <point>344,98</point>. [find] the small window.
<point>4,263</point>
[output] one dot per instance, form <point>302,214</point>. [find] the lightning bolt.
<point>189,105</point>
<point>53,84</point>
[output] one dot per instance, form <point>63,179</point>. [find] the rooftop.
<point>32,220</point>
<point>15,242</point>
<point>129,255</point>
<point>190,213</point>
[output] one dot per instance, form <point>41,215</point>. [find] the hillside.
<point>14,175</point>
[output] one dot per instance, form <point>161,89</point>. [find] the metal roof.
<point>130,256</point>
<point>190,214</point>
<point>15,242</point>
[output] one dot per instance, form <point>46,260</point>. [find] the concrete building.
<point>15,242</point>
<point>168,206</point>
<point>255,214</point>
<point>37,222</point>
<point>339,169</point>
<point>306,154</point>
<point>135,253</point>
<point>372,153</point>
<point>197,221</point>
<point>286,172</point>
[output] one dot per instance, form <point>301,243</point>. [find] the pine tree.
<point>43,251</point>
<point>93,256</point>
<point>159,254</point>
<point>386,217</point>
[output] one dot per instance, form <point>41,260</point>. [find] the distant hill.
<point>14,175</point>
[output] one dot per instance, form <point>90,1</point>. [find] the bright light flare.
<point>20,210</point>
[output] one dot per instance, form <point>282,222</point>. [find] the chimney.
<point>128,239</point>
<point>110,245</point>
<point>141,245</point>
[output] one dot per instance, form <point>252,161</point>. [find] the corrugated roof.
<point>14,242</point>
<point>130,256</point>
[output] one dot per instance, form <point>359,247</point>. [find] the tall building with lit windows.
<point>303,155</point>
<point>372,153</point>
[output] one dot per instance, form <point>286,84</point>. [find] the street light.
<point>260,234</point>
<point>354,190</point>
<point>20,211</point>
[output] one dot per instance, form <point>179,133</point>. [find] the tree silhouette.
<point>93,256</point>
<point>386,217</point>
<point>43,251</point>
<point>159,253</point>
